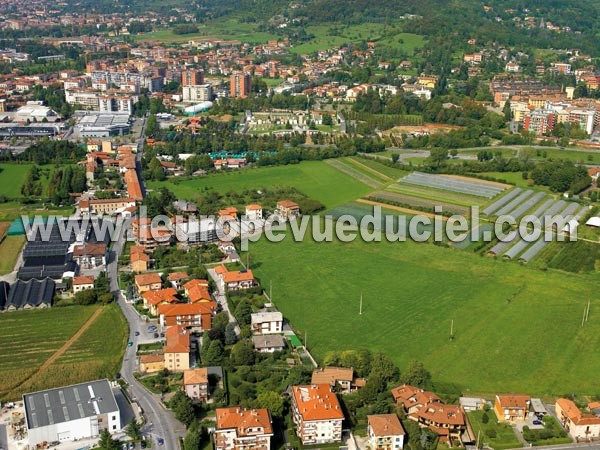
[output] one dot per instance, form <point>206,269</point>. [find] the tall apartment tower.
<point>192,78</point>
<point>240,85</point>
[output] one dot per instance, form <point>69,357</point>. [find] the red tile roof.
<point>317,402</point>
<point>84,279</point>
<point>195,376</point>
<point>243,420</point>
<point>154,298</point>
<point>146,279</point>
<point>385,425</point>
<point>517,401</point>
<point>178,340</point>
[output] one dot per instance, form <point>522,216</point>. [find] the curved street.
<point>160,422</point>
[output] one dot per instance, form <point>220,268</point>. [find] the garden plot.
<point>454,184</point>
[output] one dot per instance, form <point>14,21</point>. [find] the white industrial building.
<point>197,93</point>
<point>70,413</point>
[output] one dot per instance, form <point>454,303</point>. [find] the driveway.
<point>221,299</point>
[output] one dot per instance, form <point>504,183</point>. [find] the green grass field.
<point>12,177</point>
<point>37,335</point>
<point>9,251</point>
<point>316,179</point>
<point>516,329</point>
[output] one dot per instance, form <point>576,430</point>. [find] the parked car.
<point>143,444</point>
<point>160,441</point>
<point>131,446</point>
<point>537,422</point>
<point>130,344</point>
<point>155,335</point>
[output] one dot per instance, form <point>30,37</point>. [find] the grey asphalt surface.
<point>160,422</point>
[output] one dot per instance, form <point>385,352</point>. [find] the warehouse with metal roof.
<point>70,413</point>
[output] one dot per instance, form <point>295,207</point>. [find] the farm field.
<point>316,179</point>
<point>97,353</point>
<point>412,292</point>
<point>9,251</point>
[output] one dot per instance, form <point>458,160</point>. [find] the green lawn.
<point>499,436</point>
<point>37,335</point>
<point>316,179</point>
<point>12,177</point>
<point>9,250</point>
<point>571,155</point>
<point>331,35</point>
<point>516,329</point>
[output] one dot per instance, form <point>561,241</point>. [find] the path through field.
<point>61,351</point>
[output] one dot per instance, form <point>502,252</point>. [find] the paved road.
<point>3,437</point>
<point>160,422</point>
<point>221,298</point>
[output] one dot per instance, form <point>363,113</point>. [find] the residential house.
<point>254,212</point>
<point>195,383</point>
<point>152,363</point>
<point>512,407</point>
<point>317,414</point>
<point>177,349</point>
<point>385,432</point>
<point>83,283</point>
<point>268,343</point>
<point>336,376</point>
<point>580,426</point>
<point>176,278</point>
<point>90,256</point>
<point>236,279</point>
<point>197,291</point>
<point>594,173</point>
<point>413,398</point>
<point>448,421</point>
<point>243,429</point>
<point>267,321</point>
<point>138,259</point>
<point>196,317</point>
<point>287,209</point>
<point>153,299</point>
<point>148,282</point>
<point>472,403</point>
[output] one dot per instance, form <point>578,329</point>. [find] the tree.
<point>214,355</point>
<point>133,430</point>
<point>106,441</point>
<point>438,156</point>
<point>507,111</point>
<point>230,335</point>
<point>485,418</point>
<point>416,375</point>
<point>242,354</point>
<point>383,366</point>
<point>395,157</point>
<point>151,125</point>
<point>272,401</point>
<point>183,407</point>
<point>156,171</point>
<point>243,313</point>
<point>193,438</point>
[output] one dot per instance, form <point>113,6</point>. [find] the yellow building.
<point>152,363</point>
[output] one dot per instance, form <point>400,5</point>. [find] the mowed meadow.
<point>316,179</point>
<point>30,338</point>
<point>515,329</point>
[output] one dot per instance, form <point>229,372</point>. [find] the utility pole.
<point>360,310</point>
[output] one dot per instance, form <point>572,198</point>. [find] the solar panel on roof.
<point>34,420</point>
<point>76,392</point>
<point>81,413</point>
<point>66,413</point>
<point>31,403</point>
<point>61,395</point>
<point>47,400</point>
<point>50,417</point>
